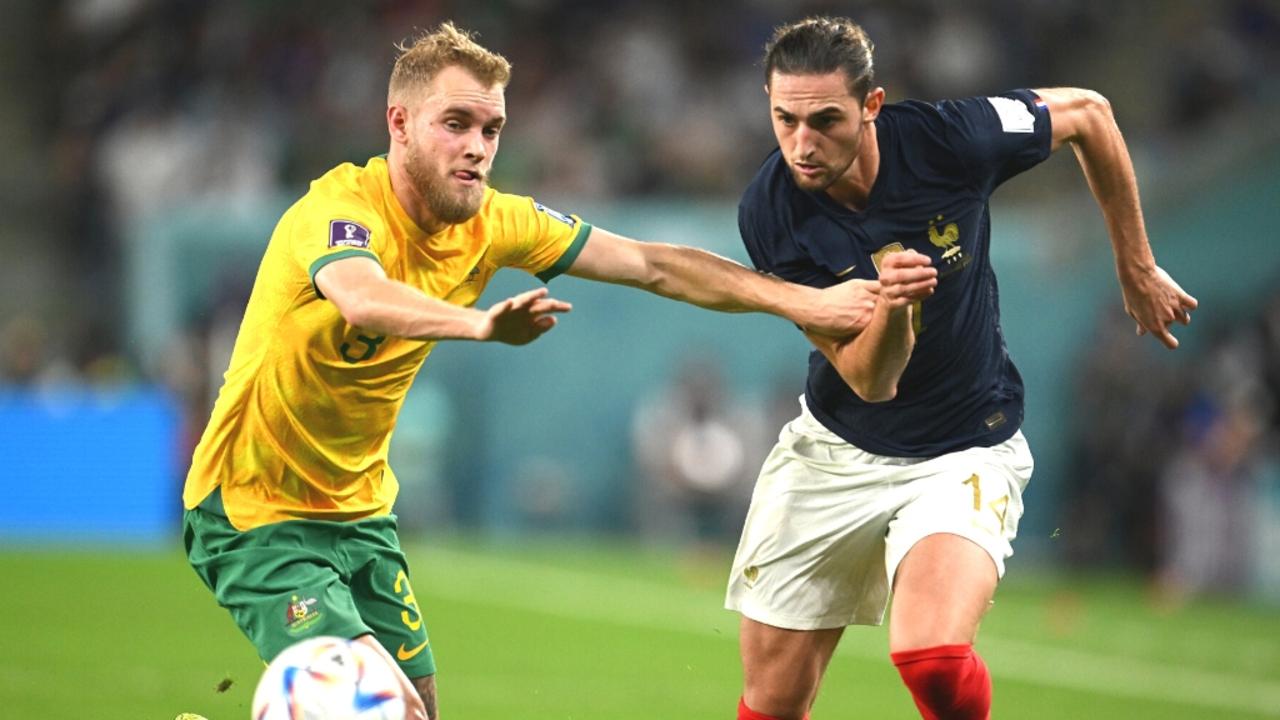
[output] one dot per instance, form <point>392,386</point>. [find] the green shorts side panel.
<point>380,586</point>
<point>302,578</point>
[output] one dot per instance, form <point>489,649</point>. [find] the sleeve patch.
<point>348,233</point>
<point>1014,115</point>
<point>555,215</point>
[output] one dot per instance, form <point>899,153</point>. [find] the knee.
<point>948,682</point>
<point>775,703</point>
<point>781,696</point>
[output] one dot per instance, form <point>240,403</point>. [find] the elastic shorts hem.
<point>422,666</point>
<point>760,614</point>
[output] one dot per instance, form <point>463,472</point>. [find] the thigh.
<point>385,598</point>
<point>281,582</point>
<point>782,668</point>
<point>812,551</point>
<point>943,588</point>
<point>947,545</point>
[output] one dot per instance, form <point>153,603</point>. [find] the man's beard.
<point>445,203</point>
<point>814,185</point>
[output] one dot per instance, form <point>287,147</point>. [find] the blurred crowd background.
<point>151,144</point>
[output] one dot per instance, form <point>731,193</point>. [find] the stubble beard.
<point>830,174</point>
<point>446,204</point>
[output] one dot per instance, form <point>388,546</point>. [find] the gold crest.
<point>946,239</point>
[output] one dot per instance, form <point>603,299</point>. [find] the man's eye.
<point>491,132</point>
<point>453,124</point>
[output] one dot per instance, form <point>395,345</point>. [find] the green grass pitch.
<point>588,630</point>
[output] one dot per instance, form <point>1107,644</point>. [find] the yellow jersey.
<point>303,421</point>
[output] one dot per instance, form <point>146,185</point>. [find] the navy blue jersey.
<point>939,164</point>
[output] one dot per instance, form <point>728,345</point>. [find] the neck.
<point>853,189</point>
<point>407,194</point>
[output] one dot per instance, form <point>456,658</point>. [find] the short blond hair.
<point>421,59</point>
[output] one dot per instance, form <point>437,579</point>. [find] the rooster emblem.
<point>946,239</point>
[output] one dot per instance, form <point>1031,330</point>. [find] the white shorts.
<point>829,523</point>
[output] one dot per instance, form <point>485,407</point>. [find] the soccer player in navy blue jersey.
<point>904,472</point>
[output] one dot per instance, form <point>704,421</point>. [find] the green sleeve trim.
<point>340,255</point>
<point>566,260</point>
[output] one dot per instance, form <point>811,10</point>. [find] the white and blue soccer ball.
<point>329,678</point>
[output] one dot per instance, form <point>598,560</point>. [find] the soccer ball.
<point>329,678</point>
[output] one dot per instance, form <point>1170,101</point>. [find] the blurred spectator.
<point>1124,420</point>
<point>694,448</point>
<point>1178,467</point>
<point>25,355</point>
<point>1207,500</point>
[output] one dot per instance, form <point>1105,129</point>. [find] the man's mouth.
<point>469,177</point>
<point>808,169</point>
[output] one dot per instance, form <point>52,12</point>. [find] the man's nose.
<point>806,141</point>
<point>475,149</point>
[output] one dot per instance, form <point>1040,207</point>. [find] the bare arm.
<point>707,280</point>
<point>1083,119</point>
<point>368,299</point>
<point>872,362</point>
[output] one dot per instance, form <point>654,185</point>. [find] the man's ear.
<point>871,106</point>
<point>398,123</point>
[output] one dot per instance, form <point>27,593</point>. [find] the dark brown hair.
<point>822,45</point>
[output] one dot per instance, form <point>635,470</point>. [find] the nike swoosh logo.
<point>846,271</point>
<point>402,654</point>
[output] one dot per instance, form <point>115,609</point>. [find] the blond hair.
<point>421,59</point>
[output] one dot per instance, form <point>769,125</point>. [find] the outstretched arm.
<point>368,299</point>
<point>872,362</point>
<point>707,280</point>
<point>1083,118</point>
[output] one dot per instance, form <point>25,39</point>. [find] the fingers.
<point>527,298</point>
<point>1166,338</point>
<point>917,290</point>
<point>549,305</point>
<point>904,259</point>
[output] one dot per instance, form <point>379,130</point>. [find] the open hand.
<point>521,319</point>
<point>1155,302</point>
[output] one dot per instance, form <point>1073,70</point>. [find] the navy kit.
<point>939,164</point>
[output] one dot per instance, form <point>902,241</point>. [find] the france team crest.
<point>347,233</point>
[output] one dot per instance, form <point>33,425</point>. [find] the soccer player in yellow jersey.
<point>288,500</point>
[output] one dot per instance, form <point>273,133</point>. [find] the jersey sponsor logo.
<point>346,233</point>
<point>300,614</point>
<point>1014,115</point>
<point>555,215</point>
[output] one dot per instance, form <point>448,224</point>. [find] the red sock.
<point>746,713</point>
<point>948,682</point>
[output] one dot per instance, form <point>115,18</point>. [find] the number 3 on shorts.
<point>415,622</point>
<point>999,506</point>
